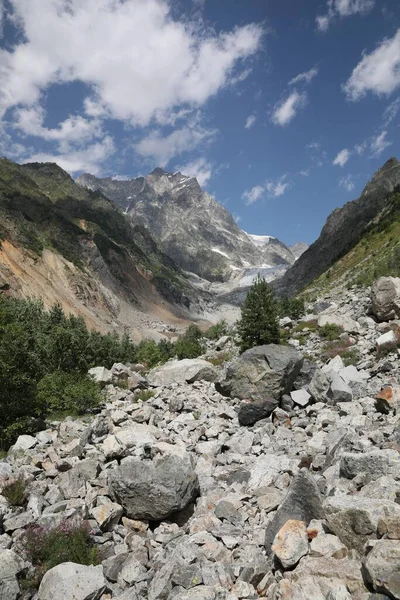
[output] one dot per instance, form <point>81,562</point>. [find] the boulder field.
<point>276,476</point>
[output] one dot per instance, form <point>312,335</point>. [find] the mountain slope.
<point>199,234</point>
<point>376,255</point>
<point>342,231</point>
<point>62,242</point>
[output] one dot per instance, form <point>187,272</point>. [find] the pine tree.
<point>259,323</point>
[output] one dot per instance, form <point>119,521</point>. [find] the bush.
<point>15,492</point>
<point>190,345</point>
<point>220,358</point>
<point>150,354</point>
<point>291,307</point>
<point>217,331</point>
<point>143,395</point>
<point>47,548</point>
<point>61,392</point>
<point>259,323</point>
<point>330,332</point>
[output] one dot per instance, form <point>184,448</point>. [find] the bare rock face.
<point>70,580</point>
<point>385,298</point>
<point>291,543</point>
<point>262,372</point>
<point>154,489</point>
<point>382,566</point>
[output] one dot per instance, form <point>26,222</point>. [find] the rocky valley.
<point>217,475</point>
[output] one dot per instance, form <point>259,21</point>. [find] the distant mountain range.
<point>196,232</point>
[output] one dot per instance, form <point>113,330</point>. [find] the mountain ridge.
<point>197,232</point>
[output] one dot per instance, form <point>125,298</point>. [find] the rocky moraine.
<point>276,475</point>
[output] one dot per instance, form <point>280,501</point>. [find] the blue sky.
<point>283,110</point>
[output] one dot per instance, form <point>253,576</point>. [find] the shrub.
<point>144,395</point>
<point>330,332</point>
<point>47,548</point>
<point>218,330</point>
<point>15,492</point>
<point>190,345</point>
<point>67,392</point>
<point>220,358</point>
<point>259,322</point>
<point>339,348</point>
<point>150,354</point>
<point>291,307</point>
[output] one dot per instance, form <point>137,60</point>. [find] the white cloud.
<point>237,218</point>
<point>287,109</point>
<point>342,158</point>
<point>254,194</point>
<point>250,121</point>
<point>163,148</point>
<point>391,111</point>
<point>277,188</point>
<point>379,144</point>
<point>87,159</point>
<point>322,22</point>
<point>138,61</point>
<point>317,155</point>
<point>342,8</point>
<point>377,72</point>
<point>360,148</point>
<point>273,189</point>
<point>2,12</point>
<point>74,130</point>
<point>200,168</point>
<point>347,183</point>
<point>305,77</point>
<point>304,173</point>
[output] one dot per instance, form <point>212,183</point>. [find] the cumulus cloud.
<point>347,183</point>
<point>250,121</point>
<point>200,168</point>
<point>305,77</point>
<point>342,8</point>
<point>254,194</point>
<point>89,159</point>
<point>74,130</point>
<point>379,143</point>
<point>342,158</point>
<point>137,60</point>
<point>377,72</point>
<point>286,110</point>
<point>162,148</point>
<point>316,153</point>
<point>272,188</point>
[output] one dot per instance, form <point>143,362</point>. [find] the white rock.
<point>72,581</point>
<point>300,397</point>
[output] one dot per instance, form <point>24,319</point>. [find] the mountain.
<point>298,249</point>
<point>196,232</point>
<point>63,243</point>
<point>344,228</point>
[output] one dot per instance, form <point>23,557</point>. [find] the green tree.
<point>259,323</point>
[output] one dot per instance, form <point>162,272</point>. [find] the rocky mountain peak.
<point>199,234</point>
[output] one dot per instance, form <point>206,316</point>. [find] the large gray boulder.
<point>70,580</point>
<point>302,503</point>
<point>180,371</point>
<point>154,489</point>
<point>385,298</point>
<point>382,567</point>
<point>10,565</point>
<point>261,372</point>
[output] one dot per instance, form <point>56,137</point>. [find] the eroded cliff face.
<point>64,244</point>
<point>199,234</point>
<point>342,230</point>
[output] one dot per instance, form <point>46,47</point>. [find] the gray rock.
<point>344,321</point>
<point>302,503</point>
<point>319,386</point>
<point>385,298</point>
<point>101,375</point>
<point>70,580</point>
<point>382,566</point>
<point>300,397</point>
<point>180,371</point>
<point>305,375</point>
<point>339,390</point>
<point>24,442</point>
<point>375,463</point>
<point>261,372</point>
<point>290,543</point>
<point>107,515</point>
<point>10,566</point>
<point>355,519</point>
<point>154,489</point>
<point>251,412</point>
